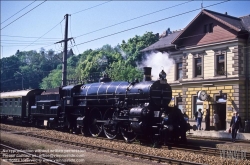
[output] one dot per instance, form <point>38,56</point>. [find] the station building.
<point>211,66</point>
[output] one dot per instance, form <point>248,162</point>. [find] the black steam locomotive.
<point>134,110</point>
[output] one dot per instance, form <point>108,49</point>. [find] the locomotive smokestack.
<point>147,73</point>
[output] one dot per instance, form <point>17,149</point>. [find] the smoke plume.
<point>157,61</point>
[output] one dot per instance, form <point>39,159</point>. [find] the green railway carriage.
<point>16,104</point>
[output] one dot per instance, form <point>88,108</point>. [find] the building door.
<point>221,110</point>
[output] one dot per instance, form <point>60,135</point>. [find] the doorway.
<point>221,111</point>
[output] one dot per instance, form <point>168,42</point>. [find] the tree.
<point>9,77</point>
<point>123,71</point>
<point>134,45</point>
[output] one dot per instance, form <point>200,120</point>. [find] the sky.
<point>30,25</point>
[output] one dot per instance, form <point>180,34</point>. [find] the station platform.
<point>218,134</point>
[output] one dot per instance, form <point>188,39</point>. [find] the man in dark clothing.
<point>235,125</point>
<point>207,120</point>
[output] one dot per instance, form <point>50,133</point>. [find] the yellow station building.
<point>211,70</point>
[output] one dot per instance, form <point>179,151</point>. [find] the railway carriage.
<point>17,104</point>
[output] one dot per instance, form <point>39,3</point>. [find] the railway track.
<point>16,156</point>
<point>181,147</point>
<point>111,150</point>
<point>187,148</point>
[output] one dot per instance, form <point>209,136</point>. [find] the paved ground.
<point>220,134</point>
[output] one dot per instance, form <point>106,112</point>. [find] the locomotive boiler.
<point>137,109</point>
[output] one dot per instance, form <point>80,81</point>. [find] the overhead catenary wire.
<point>141,25</point>
<point>21,43</point>
<point>23,15</point>
<point>91,7</point>
<point>28,40</point>
<point>150,23</point>
<point>133,18</point>
<point>18,12</point>
<point>110,25</point>
<point>72,35</point>
<point>71,14</point>
<point>45,33</point>
<point>25,37</point>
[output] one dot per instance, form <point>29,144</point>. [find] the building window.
<point>197,104</point>
<point>179,103</point>
<point>220,65</point>
<point>179,71</point>
<point>208,28</point>
<point>198,67</point>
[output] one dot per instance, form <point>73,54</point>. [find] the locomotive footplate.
<point>115,120</point>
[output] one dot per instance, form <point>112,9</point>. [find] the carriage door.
<point>24,106</point>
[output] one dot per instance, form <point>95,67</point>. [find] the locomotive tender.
<point>137,109</point>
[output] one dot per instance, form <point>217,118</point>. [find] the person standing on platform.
<point>207,120</point>
<point>235,125</point>
<point>216,121</point>
<point>198,117</point>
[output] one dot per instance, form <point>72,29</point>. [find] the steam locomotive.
<point>135,110</point>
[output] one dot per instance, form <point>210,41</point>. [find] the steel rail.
<point>181,147</point>
<point>111,150</point>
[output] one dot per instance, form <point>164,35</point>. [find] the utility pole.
<point>66,39</point>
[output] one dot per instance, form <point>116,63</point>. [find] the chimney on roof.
<point>157,36</point>
<point>165,33</point>
<point>169,32</point>
<point>225,13</point>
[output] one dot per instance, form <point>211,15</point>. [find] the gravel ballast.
<point>173,154</point>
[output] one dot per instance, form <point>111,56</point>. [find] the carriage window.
<point>20,102</point>
<point>1,102</point>
<point>6,102</point>
<point>16,100</point>
<point>10,102</point>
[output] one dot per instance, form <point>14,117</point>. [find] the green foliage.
<point>124,72</point>
<point>29,66</point>
<point>134,45</point>
<point>94,61</point>
<point>43,69</point>
<point>52,80</point>
<point>9,77</point>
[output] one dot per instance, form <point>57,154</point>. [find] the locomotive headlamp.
<point>162,75</point>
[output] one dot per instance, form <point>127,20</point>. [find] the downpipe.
<point>247,122</point>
